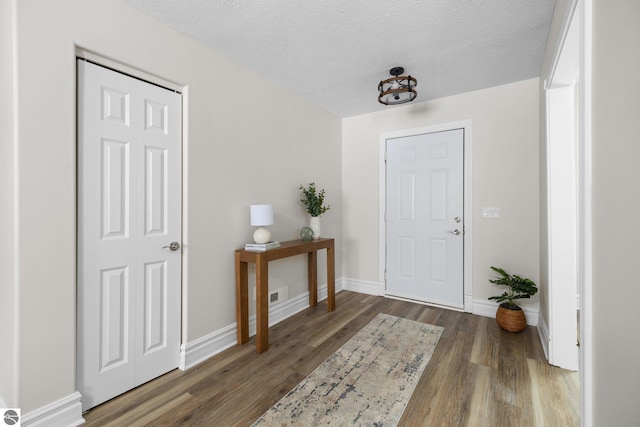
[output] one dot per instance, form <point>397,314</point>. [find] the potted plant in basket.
<point>313,201</point>
<point>510,316</point>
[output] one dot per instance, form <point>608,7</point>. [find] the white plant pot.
<point>314,224</point>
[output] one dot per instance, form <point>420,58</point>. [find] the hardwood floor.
<point>479,375</point>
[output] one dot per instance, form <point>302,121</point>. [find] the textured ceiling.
<point>334,52</point>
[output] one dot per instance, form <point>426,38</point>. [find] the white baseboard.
<point>66,412</point>
<point>363,286</point>
<point>488,309</point>
<point>203,348</point>
<point>468,303</point>
<point>480,307</point>
<point>543,332</point>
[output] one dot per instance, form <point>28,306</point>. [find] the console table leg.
<point>312,272</point>
<point>262,305</point>
<point>331,279</point>
<point>242,300</point>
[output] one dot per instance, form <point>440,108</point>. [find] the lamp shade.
<point>261,215</point>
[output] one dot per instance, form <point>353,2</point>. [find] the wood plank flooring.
<point>479,375</point>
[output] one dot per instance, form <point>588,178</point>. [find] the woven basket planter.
<point>510,319</point>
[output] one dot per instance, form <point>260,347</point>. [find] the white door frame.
<point>580,14</point>
<point>382,255</point>
<point>562,230</point>
<point>563,186</point>
<point>184,90</point>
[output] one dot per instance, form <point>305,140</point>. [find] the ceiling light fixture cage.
<point>397,89</point>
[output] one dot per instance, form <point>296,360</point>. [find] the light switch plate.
<point>491,213</point>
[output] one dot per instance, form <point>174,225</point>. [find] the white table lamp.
<point>261,215</point>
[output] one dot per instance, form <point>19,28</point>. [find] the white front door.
<point>425,222</point>
<point>129,213</point>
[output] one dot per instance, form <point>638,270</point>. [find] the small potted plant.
<point>313,201</point>
<point>510,316</point>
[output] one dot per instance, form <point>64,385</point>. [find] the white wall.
<point>504,169</point>
<point>616,203</point>
<point>248,141</point>
<point>8,291</point>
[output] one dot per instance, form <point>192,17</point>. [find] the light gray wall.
<point>504,174</point>
<point>8,291</point>
<point>247,142</point>
<point>223,139</point>
<point>616,203</point>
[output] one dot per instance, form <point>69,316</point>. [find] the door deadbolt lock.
<point>457,219</point>
<point>174,246</point>
<point>455,232</point>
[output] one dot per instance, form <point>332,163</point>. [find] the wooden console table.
<point>261,259</point>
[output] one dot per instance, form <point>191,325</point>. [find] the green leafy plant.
<point>517,287</point>
<point>313,200</point>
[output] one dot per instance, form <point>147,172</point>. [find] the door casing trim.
<point>466,125</point>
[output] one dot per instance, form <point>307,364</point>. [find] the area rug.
<point>367,382</point>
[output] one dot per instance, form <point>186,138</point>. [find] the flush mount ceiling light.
<point>397,89</point>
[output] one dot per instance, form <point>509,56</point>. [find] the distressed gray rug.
<point>367,382</point>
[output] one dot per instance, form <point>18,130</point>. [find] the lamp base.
<point>262,235</point>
